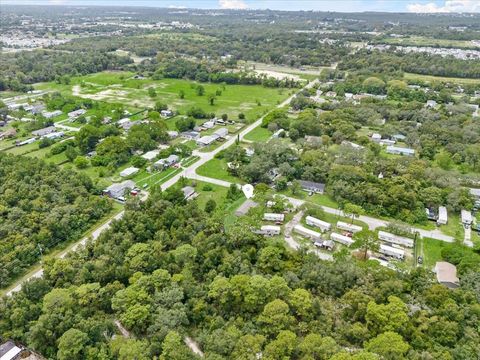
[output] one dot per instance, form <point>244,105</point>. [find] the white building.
<point>166,113</point>
<point>269,230</point>
<point>129,171</point>
<point>54,135</point>
<point>395,239</point>
<point>76,113</point>
<point>431,104</point>
<point>150,155</point>
<point>391,251</point>
<point>52,114</point>
<point>273,217</point>
<point>349,227</point>
<point>376,137</point>
<point>172,134</point>
<point>323,225</point>
<point>206,140</point>
<point>303,231</point>
<point>342,239</point>
<point>442,216</point>
<point>400,151</point>
<point>466,217</point>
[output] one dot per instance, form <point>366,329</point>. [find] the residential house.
<point>208,124</point>
<point>312,187</point>
<point>44,131</point>
<point>331,94</point>
<point>351,228</point>
<point>247,205</point>
<point>166,113</point>
<point>274,217</point>
<point>442,216</point>
<point>395,239</point>
<point>431,104</point>
<point>150,155</point>
<point>325,244</point>
<point>399,137</point>
<point>54,135</point>
<point>466,217</point>
<point>303,231</point>
<point>352,145</point>
<point>391,251</point>
<point>278,133</point>
<point>376,137</point>
<point>400,151</point>
<point>387,142</point>
<point>76,113</point>
<point>172,134</point>
<point>118,190</point>
<point>221,133</point>
<point>8,134</point>
<point>189,193</point>
<point>52,114</point>
<point>129,171</point>
<point>190,135</point>
<point>322,225</point>
<point>268,230</point>
<point>206,140</point>
<point>26,142</point>
<point>169,161</point>
<point>447,274</point>
<point>342,239</point>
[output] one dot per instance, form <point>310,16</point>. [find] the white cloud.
<point>449,6</point>
<point>232,4</point>
<point>176,7</point>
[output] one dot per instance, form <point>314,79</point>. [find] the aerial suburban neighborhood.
<point>223,181</point>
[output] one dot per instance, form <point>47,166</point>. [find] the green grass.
<point>218,193</point>
<point>217,169</point>
<point>430,78</point>
<point>454,227</point>
<point>431,250</point>
<point>155,178</point>
<point>119,87</point>
<point>259,134</point>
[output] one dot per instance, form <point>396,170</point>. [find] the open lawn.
<point>430,78</point>
<point>145,179</point>
<point>431,250</point>
<point>259,134</point>
<point>217,169</point>
<point>121,87</point>
<point>207,191</point>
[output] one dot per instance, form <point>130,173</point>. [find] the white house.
<point>206,140</point>
<point>391,251</point>
<point>54,135</point>
<point>190,135</point>
<point>208,124</point>
<point>76,113</point>
<point>303,231</point>
<point>442,216</point>
<point>166,113</point>
<point>273,217</point>
<point>221,133</point>
<point>269,230</point>
<point>431,104</point>
<point>466,217</point>
<point>129,171</point>
<point>349,227</point>
<point>189,193</point>
<point>322,225</point>
<point>150,155</point>
<point>376,137</point>
<point>400,151</point>
<point>172,134</point>
<point>117,190</point>
<point>52,114</point>
<point>342,239</point>
<point>163,163</point>
<point>395,239</point>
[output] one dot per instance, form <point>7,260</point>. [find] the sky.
<point>418,6</point>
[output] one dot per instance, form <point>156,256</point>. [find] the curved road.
<point>189,172</point>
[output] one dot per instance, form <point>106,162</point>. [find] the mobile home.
<point>391,251</point>
<point>273,217</point>
<point>268,230</point>
<point>342,239</point>
<point>348,227</point>
<point>442,216</point>
<point>323,225</point>
<point>395,239</point>
<point>303,231</point>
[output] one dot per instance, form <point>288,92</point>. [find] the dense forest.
<point>41,206</point>
<point>167,269</point>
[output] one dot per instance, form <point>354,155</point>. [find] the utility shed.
<point>447,274</point>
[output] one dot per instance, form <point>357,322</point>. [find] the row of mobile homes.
<point>323,225</point>
<point>391,251</point>
<point>342,239</point>
<point>269,230</point>
<point>442,216</point>
<point>303,231</point>
<point>273,217</point>
<point>395,239</point>
<point>348,227</point>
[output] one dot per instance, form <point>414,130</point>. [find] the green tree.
<point>282,347</point>
<point>389,345</point>
<point>210,206</point>
<point>200,90</point>
<point>276,317</point>
<point>353,211</point>
<point>389,317</point>
<point>366,241</point>
<point>71,345</point>
<point>173,348</point>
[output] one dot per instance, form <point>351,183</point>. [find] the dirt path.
<point>193,345</point>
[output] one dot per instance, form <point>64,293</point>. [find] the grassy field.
<point>121,87</point>
<point>431,250</point>
<point>143,178</point>
<point>217,169</point>
<point>217,193</point>
<point>430,78</point>
<point>425,41</point>
<point>258,134</point>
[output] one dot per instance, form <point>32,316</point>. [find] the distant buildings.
<point>76,113</point>
<point>395,150</point>
<point>169,161</point>
<point>52,114</point>
<point>447,274</point>
<point>312,187</point>
<point>44,131</point>
<point>322,225</point>
<point>190,135</point>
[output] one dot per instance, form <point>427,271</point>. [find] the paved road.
<point>189,172</point>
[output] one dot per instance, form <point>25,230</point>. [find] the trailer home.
<point>391,251</point>
<point>395,239</point>
<point>303,231</point>
<point>268,230</point>
<point>273,217</point>
<point>342,239</point>
<point>322,225</point>
<point>348,227</point>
